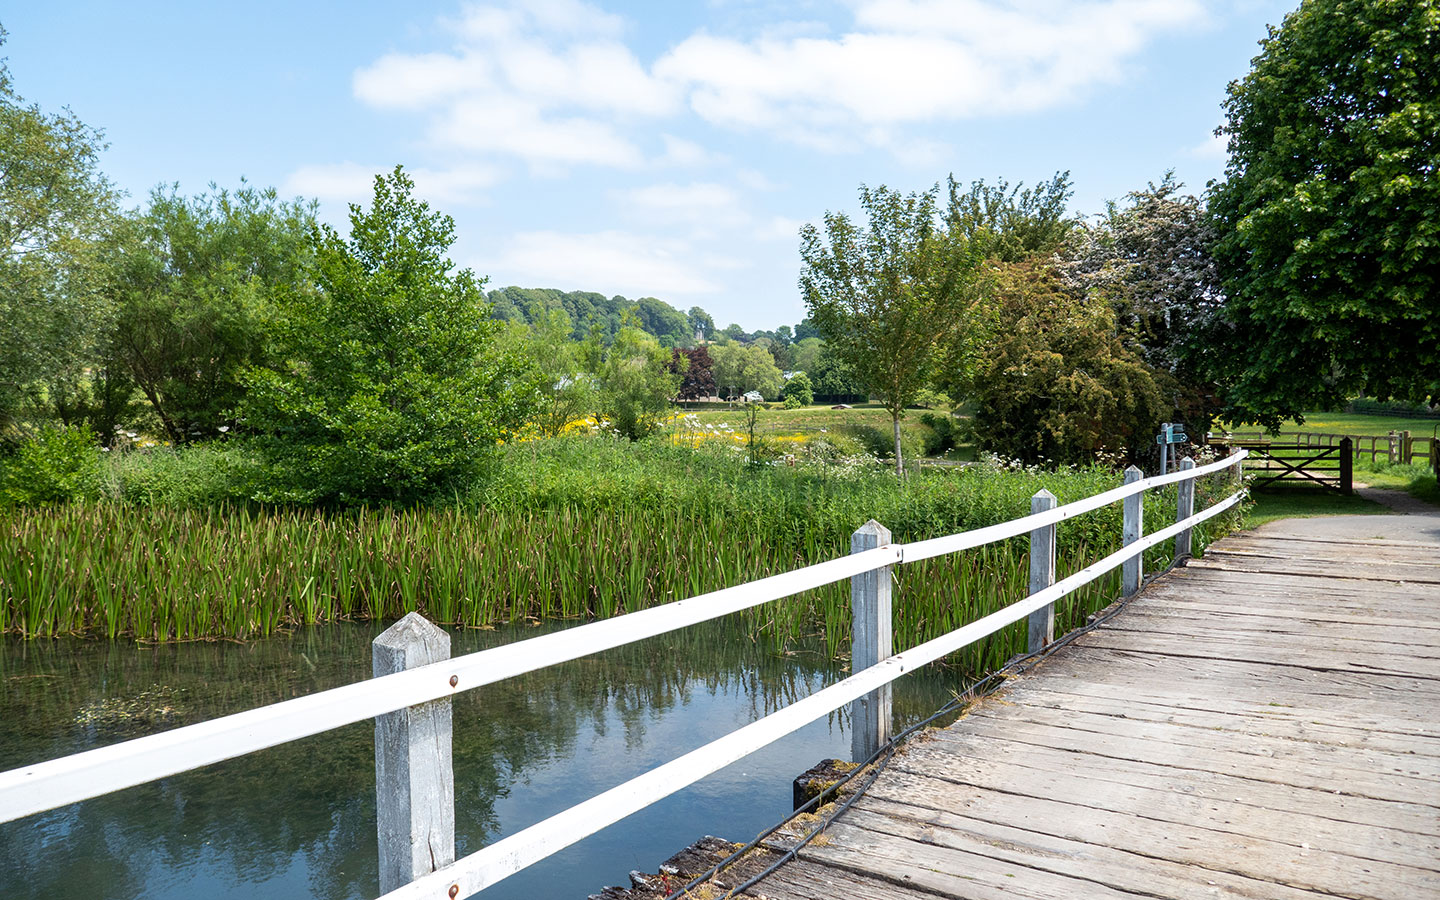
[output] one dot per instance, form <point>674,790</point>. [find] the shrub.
<point>55,465</point>
<point>945,434</point>
<point>393,386</point>
<point>798,391</point>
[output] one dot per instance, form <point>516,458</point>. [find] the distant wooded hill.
<point>589,311</point>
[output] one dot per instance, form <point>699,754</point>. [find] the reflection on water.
<point>299,820</point>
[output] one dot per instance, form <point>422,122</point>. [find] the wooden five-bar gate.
<point>409,697</point>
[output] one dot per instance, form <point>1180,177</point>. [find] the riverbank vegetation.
<point>572,527</point>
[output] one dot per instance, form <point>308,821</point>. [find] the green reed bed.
<point>572,528</point>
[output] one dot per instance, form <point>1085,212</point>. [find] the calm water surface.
<point>299,820</point>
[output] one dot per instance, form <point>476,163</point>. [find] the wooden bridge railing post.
<point>414,778</point>
<point>1042,572</point>
<point>1347,467</point>
<point>1184,509</point>
<point>870,642</point>
<point>1133,569</point>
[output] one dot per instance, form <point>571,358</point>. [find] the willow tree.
<point>891,294</point>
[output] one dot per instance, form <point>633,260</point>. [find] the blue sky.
<point>644,149</point>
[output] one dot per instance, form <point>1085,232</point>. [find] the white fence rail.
<point>48,785</point>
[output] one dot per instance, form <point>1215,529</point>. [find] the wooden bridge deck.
<point>1264,723</point>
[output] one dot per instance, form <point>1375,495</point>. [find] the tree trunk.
<point>899,463</point>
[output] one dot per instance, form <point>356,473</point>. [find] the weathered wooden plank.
<point>1354,569</point>
<point>1279,616</point>
<point>1378,552</point>
<point>1233,718</point>
<point>1293,636</point>
<point>1284,686</point>
<point>1231,814</point>
<point>1117,868</point>
<point>1368,716</point>
<point>1189,844</point>
<point>1344,583</point>
<point>803,879</point>
<point>1371,598</point>
<point>1263,556</point>
<point>1333,756</point>
<point>1314,657</point>
<point>1297,767</point>
<point>989,757</point>
<point>948,872</point>
<point>1360,543</point>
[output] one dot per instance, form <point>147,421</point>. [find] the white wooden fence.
<point>412,710</point>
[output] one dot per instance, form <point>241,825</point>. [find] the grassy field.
<point>864,427</point>
<point>1356,423</point>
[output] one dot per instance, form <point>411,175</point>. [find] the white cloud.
<point>682,152</point>
<point>350,182</point>
<point>636,265</point>
<point>548,82</point>
<point>513,127</point>
<point>553,83</point>
<point>700,203</point>
<point>918,61</point>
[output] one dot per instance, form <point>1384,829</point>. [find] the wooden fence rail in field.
<point>410,696</point>
<point>1395,447</point>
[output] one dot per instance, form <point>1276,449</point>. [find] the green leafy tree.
<point>1057,382</point>
<point>807,353</point>
<point>889,296</point>
<point>195,298</point>
<point>1329,214</point>
<point>388,382</point>
<point>701,323</point>
<point>798,391</point>
<point>1015,222</point>
<point>666,323</point>
<point>741,368</point>
<point>833,379</point>
<point>637,383</point>
<point>55,212</point>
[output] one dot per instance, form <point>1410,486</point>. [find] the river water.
<point>298,820</point>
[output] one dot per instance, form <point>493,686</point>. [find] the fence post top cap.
<point>1042,494</point>
<point>411,629</point>
<point>1132,470</point>
<point>874,527</point>
<point>1187,462</point>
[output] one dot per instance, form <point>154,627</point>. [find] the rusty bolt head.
<point>454,888</point>
<point>454,680</point>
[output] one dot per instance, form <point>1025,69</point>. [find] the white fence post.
<point>1042,572</point>
<point>1133,570</point>
<point>414,780</point>
<point>1184,509</point>
<point>870,642</point>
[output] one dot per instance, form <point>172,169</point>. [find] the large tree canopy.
<point>55,209</point>
<point>1329,215</point>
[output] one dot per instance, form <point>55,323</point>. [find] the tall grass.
<point>570,528</point>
